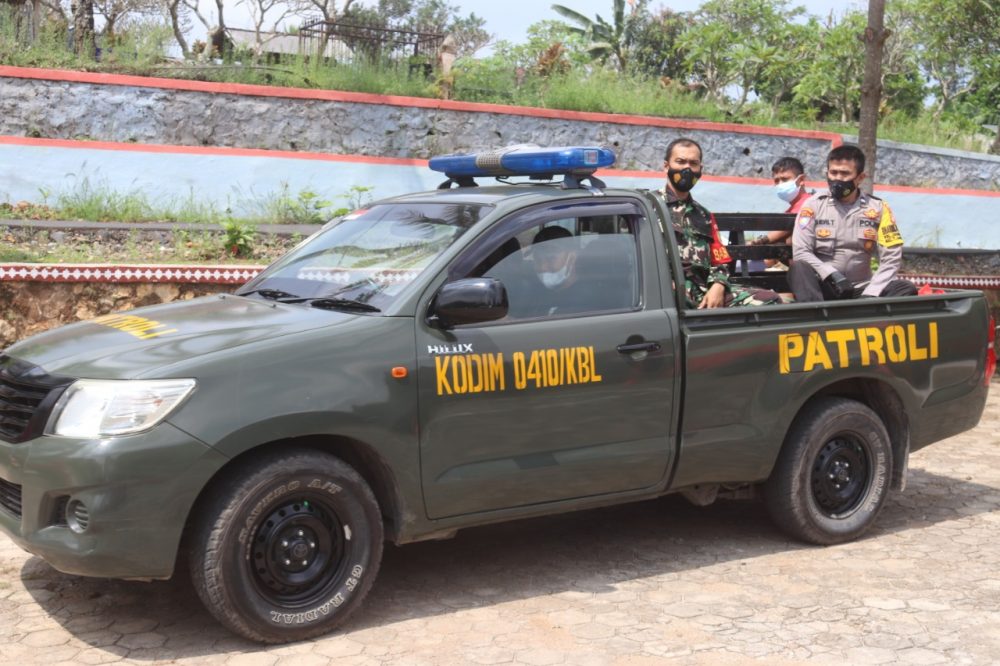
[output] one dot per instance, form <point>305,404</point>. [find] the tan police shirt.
<point>833,236</point>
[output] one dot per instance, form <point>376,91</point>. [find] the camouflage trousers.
<point>735,296</point>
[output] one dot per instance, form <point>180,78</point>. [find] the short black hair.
<point>788,164</point>
<point>684,142</point>
<point>847,153</point>
<point>551,233</point>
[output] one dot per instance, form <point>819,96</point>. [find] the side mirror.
<point>468,301</point>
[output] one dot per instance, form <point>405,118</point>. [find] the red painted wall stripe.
<point>414,162</point>
<point>398,100</point>
<point>206,150</point>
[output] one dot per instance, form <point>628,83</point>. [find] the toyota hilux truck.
<point>453,358</point>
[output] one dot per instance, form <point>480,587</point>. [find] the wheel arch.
<point>362,457</point>
<point>887,404</point>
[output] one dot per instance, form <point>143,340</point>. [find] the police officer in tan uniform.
<point>836,234</point>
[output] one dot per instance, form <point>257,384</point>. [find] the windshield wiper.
<point>339,304</point>
<point>319,302</point>
<point>272,294</point>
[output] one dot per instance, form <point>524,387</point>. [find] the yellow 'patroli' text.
<point>847,347</point>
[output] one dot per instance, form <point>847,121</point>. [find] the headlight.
<point>103,408</point>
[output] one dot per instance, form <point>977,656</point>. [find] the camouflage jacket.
<point>703,256</point>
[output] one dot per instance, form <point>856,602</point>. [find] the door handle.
<point>639,347</point>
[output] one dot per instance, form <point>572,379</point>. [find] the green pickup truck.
<point>412,369</point>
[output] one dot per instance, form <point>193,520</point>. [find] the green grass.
<point>184,247</point>
<point>484,80</point>
<point>97,202</point>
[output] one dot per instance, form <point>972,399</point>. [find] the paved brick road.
<point>639,584</point>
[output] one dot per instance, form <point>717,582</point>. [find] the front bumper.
<point>136,493</point>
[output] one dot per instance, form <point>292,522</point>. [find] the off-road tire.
<point>286,546</point>
<point>832,475</point>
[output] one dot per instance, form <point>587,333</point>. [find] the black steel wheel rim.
<point>298,552</point>
<point>841,475</point>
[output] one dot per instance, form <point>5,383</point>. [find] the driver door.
<point>550,404</point>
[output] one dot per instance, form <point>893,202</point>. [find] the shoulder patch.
<point>805,217</point>
<point>871,213</point>
<point>888,232</point>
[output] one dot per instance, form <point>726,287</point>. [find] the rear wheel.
<point>288,547</point>
<point>831,478</point>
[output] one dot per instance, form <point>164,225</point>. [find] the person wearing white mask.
<point>789,186</point>
<point>554,252</point>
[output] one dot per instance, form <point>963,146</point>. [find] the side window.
<point>565,266</point>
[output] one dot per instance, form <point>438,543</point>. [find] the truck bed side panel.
<point>750,371</point>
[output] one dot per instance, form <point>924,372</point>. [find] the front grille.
<point>10,497</point>
<point>27,394</point>
<point>18,403</point>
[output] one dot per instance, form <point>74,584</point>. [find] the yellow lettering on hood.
<point>134,325</point>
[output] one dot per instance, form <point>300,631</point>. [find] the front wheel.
<point>287,547</point>
<point>832,475</point>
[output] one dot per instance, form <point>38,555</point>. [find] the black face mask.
<point>684,179</point>
<point>841,189</point>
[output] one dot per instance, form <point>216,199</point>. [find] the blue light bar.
<point>525,161</point>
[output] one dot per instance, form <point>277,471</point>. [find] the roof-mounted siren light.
<point>574,163</point>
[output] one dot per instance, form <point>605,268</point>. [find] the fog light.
<point>77,516</point>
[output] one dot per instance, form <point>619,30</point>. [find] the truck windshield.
<point>369,256</point>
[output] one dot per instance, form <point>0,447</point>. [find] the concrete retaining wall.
<point>57,104</point>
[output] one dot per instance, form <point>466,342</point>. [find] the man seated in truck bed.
<point>703,256</point>
<point>836,234</point>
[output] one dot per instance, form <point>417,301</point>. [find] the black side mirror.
<point>468,301</point>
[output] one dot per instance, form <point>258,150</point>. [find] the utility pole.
<point>871,87</point>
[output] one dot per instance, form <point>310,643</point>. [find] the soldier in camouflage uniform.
<point>703,256</point>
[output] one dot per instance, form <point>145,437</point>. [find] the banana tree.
<point>605,39</point>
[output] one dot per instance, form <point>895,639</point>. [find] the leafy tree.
<point>655,51</point>
<point>785,64</point>
<point>955,43</point>
<point>735,43</point>
<point>608,40</point>
<point>831,84</point>
<point>832,81</point>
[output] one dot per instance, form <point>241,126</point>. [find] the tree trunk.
<point>871,88</point>
<point>36,18</point>
<point>84,42</point>
<point>173,10</point>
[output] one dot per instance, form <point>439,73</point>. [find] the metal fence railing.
<point>353,41</point>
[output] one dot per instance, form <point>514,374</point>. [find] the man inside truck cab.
<point>703,256</point>
<point>554,252</point>
<point>836,234</point>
